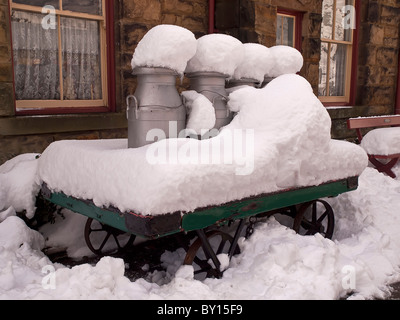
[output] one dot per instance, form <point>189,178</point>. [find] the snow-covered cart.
<point>272,152</point>
<point>311,215</point>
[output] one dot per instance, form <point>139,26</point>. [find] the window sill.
<point>25,125</point>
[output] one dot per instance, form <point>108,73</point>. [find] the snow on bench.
<point>381,144</point>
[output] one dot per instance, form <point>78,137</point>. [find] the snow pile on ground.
<point>16,178</point>
<point>216,53</point>
<point>167,46</point>
<point>285,60</point>
<point>382,141</point>
<point>256,63</point>
<point>201,113</point>
<point>275,263</point>
<point>280,138</point>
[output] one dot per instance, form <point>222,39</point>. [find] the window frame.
<point>351,71</point>
<point>298,23</point>
<point>107,103</point>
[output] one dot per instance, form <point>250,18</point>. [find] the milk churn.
<point>156,104</point>
<point>236,83</point>
<point>212,85</point>
<point>266,81</point>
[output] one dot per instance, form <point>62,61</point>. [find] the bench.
<point>382,143</point>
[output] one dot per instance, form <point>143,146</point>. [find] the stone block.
<point>386,56</point>
<point>7,99</point>
<point>132,33</point>
<point>390,15</point>
<point>376,35</point>
<point>142,10</point>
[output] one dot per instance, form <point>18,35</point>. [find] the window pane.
<point>323,67</point>
<point>35,58</point>
<point>327,19</point>
<point>285,30</point>
<point>342,33</point>
<point>337,70</point>
<point>85,6</point>
<point>279,30</point>
<point>288,31</point>
<point>39,3</point>
<point>81,59</point>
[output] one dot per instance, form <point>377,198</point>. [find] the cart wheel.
<point>97,235</point>
<point>196,256</point>
<point>315,217</point>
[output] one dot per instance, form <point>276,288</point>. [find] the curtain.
<point>35,55</point>
<point>36,58</point>
<point>81,59</point>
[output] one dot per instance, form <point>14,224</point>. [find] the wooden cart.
<point>311,215</point>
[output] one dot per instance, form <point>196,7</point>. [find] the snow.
<point>279,139</point>
<point>17,177</point>
<point>216,53</point>
<point>360,262</point>
<point>201,113</point>
<point>167,46</point>
<point>382,141</point>
<point>256,63</point>
<point>286,60</point>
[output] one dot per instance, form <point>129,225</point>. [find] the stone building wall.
<point>139,16</point>
<point>6,72</point>
<point>255,21</point>
<point>132,19</point>
<point>377,69</point>
<point>249,21</point>
<point>378,54</point>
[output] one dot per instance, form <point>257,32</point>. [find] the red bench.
<point>382,158</point>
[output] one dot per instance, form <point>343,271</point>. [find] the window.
<point>288,28</point>
<point>337,36</point>
<point>60,55</point>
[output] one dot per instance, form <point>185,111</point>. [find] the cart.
<point>311,214</point>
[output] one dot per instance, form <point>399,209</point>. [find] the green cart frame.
<point>311,215</point>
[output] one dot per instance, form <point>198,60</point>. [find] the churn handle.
<point>136,105</point>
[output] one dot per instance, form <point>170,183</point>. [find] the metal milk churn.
<point>266,81</point>
<point>156,104</point>
<point>212,85</point>
<point>237,83</point>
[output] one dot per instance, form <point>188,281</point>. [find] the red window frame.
<point>298,25</point>
<point>398,89</point>
<point>354,63</point>
<point>110,74</point>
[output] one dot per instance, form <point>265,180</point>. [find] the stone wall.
<point>255,21</point>
<point>377,68</point>
<point>249,21</point>
<point>133,18</point>
<point>139,16</point>
<point>6,71</point>
<point>378,54</point>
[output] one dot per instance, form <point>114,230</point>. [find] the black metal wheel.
<point>201,259</point>
<point>315,217</point>
<point>101,238</point>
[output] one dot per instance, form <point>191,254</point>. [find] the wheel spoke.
<point>315,217</point>
<point>323,216</point>
<point>314,212</point>
<point>109,231</point>
<point>104,241</point>
<point>196,251</point>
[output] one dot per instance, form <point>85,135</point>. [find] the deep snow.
<point>290,146</point>
<point>275,263</point>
